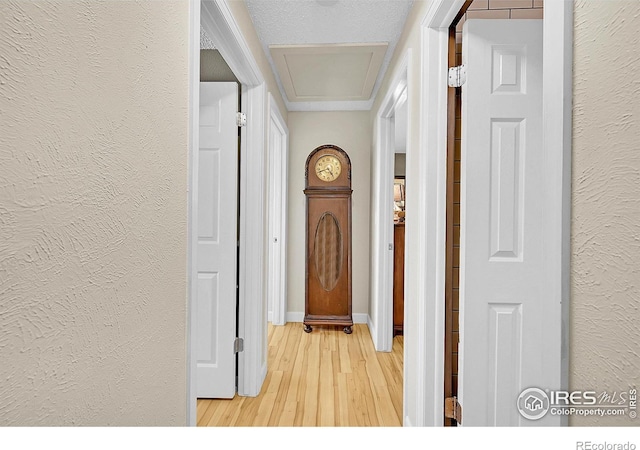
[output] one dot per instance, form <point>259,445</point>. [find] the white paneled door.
<point>276,278</point>
<point>217,212</point>
<point>509,338</point>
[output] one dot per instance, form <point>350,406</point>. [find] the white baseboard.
<point>295,316</point>
<point>299,317</point>
<point>372,330</point>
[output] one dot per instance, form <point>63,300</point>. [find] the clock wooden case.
<point>328,247</point>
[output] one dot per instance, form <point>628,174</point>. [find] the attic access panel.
<point>328,72</point>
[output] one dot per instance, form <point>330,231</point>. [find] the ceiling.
<point>329,54</point>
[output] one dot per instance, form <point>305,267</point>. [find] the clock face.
<point>328,168</point>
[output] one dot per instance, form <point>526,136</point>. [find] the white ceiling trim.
<point>329,106</point>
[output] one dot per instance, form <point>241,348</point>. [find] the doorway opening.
<point>215,18</point>
<point>387,213</point>
<point>216,190</point>
<point>494,255</point>
<point>452,255</point>
<point>425,350</point>
<point>474,9</point>
<point>399,211</point>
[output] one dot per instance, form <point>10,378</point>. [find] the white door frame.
<point>428,237</point>
<point>217,20</point>
<point>278,181</point>
<point>381,321</point>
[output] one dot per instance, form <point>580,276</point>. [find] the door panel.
<point>276,278</point>
<point>217,241</point>
<point>504,307</point>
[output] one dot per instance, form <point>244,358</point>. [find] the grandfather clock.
<point>328,249</point>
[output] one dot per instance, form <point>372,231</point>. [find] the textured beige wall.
<point>351,131</point>
<point>605,266</point>
<point>93,208</point>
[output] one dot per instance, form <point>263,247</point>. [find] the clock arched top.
<point>328,167</point>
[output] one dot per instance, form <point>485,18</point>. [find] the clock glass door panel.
<point>328,251</point>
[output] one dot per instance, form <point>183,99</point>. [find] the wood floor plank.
<point>297,383</point>
<point>296,378</point>
<point>227,413</point>
<point>339,417</point>
<point>284,363</point>
<point>343,401</point>
<point>322,378</point>
<point>201,409</point>
<point>288,415</point>
<point>392,369</point>
<point>248,412</point>
<point>384,408</point>
<point>326,397</point>
<point>267,401</point>
<point>277,334</point>
<point>279,347</point>
<point>345,360</point>
<point>286,358</point>
<point>312,381</point>
<point>357,389</point>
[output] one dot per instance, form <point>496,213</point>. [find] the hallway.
<point>324,378</point>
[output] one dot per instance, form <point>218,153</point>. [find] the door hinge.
<point>453,409</point>
<point>238,345</point>
<point>241,119</point>
<point>457,76</point>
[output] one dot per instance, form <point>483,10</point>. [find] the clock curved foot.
<point>347,330</point>
<point>307,328</point>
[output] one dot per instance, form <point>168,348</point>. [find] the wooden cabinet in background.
<point>398,278</point>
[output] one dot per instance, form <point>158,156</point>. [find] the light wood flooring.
<point>322,378</point>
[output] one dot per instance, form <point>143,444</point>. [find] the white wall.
<point>604,347</point>
<point>93,212</point>
<point>400,128</point>
<point>351,131</point>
